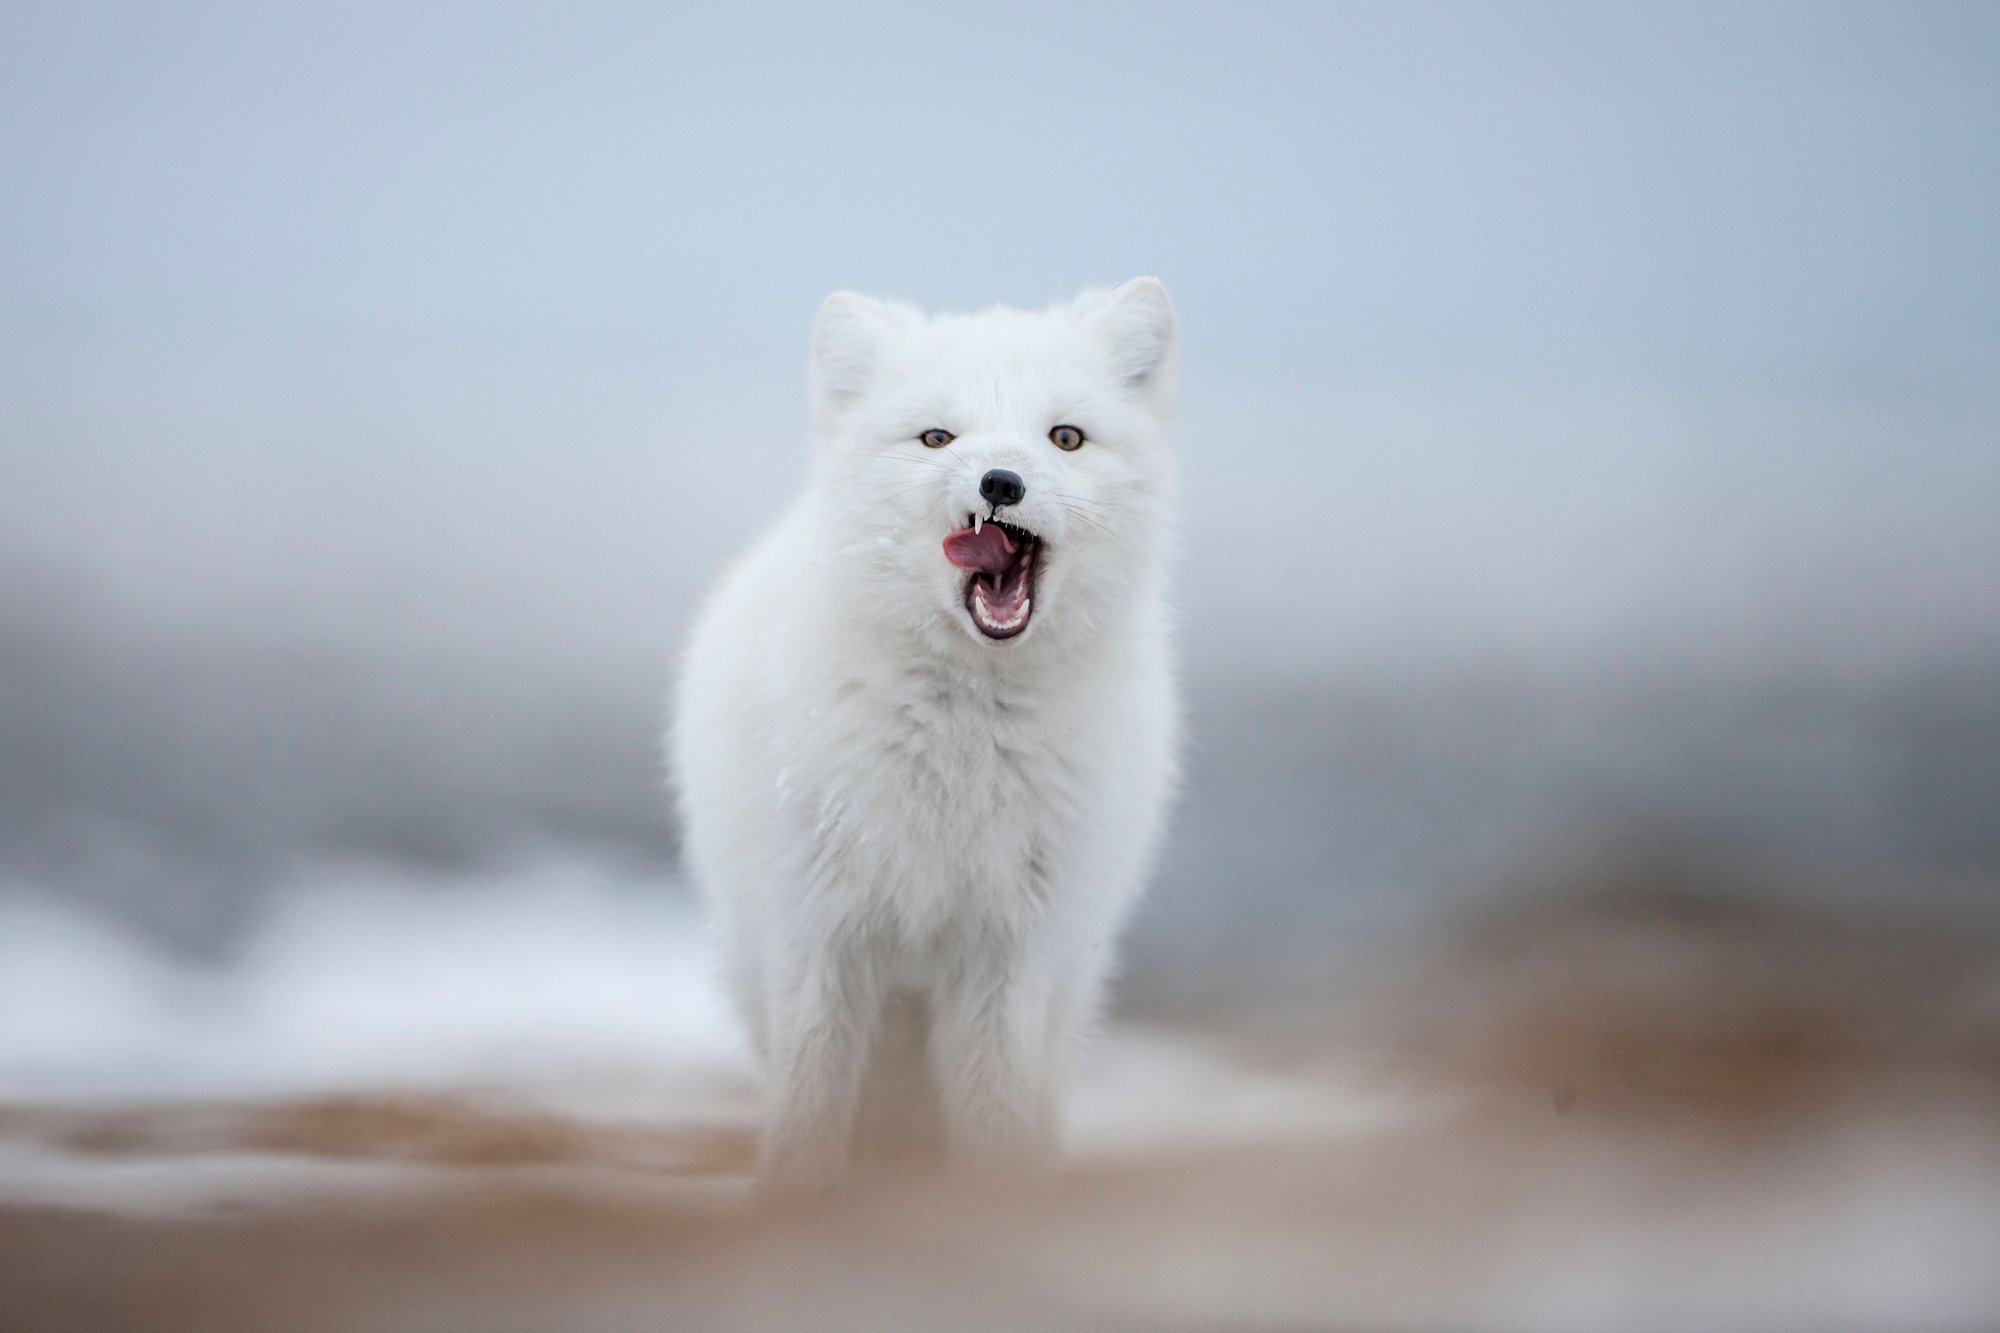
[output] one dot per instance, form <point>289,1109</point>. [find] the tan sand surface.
<point>1654,1118</point>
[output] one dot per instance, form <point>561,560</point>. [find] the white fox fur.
<point>919,841</point>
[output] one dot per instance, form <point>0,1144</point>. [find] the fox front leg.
<point>828,1006</point>
<point>996,1065</point>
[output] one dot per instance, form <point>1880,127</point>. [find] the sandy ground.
<point>1661,1116</point>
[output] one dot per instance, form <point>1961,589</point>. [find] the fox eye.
<point>1066,437</point>
<point>936,438</point>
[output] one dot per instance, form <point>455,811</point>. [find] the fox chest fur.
<point>932,806</point>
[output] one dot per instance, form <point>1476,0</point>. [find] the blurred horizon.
<point>1587,424</point>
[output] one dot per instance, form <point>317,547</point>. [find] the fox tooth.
<point>977,522</point>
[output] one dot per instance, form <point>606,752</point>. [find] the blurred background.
<point>1589,425</point>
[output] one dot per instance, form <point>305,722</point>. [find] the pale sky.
<point>1511,334</point>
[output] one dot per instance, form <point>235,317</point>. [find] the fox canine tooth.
<point>977,523</point>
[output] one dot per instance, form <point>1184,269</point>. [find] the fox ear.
<point>1135,323</point>
<point>849,339</point>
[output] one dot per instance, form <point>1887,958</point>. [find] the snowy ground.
<point>520,1105</point>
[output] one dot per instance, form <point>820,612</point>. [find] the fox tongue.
<point>989,550</point>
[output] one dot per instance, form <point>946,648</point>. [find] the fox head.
<point>1003,476</point>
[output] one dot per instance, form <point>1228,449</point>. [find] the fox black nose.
<point>1001,487</point>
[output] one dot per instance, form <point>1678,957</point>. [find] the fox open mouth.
<point>1001,561</point>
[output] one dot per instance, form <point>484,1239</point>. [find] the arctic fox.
<point>926,730</point>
